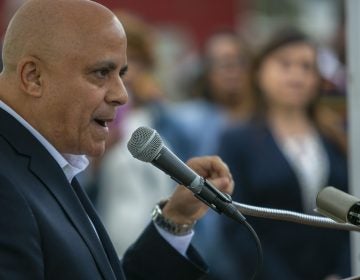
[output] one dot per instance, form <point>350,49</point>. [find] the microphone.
<point>338,205</point>
<point>146,145</point>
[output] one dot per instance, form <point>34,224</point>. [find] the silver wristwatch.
<point>167,224</point>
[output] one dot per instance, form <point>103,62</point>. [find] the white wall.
<point>353,58</point>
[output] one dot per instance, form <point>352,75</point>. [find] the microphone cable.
<point>236,215</point>
<point>260,258</point>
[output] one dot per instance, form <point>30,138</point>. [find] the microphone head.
<point>145,144</point>
<point>335,204</point>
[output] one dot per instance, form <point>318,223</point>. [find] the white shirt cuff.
<point>179,243</point>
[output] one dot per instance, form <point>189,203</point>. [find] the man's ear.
<point>29,74</point>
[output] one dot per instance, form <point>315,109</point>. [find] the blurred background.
<point>194,76</point>
<point>181,29</point>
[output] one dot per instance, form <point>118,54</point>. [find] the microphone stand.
<point>295,217</point>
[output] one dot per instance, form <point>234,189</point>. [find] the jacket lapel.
<point>43,166</point>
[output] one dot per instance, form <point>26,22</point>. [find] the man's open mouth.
<point>101,122</point>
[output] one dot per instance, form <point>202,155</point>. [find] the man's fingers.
<point>224,184</point>
<point>209,166</point>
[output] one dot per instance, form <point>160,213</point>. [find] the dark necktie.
<point>99,228</point>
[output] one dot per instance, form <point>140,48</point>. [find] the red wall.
<point>199,17</point>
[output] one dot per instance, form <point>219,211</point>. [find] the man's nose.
<point>117,94</point>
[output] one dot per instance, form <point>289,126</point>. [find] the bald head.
<point>63,66</point>
<point>49,29</point>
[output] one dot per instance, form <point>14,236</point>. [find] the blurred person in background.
<point>282,159</point>
<point>220,100</point>
<point>125,196</point>
<point>220,95</point>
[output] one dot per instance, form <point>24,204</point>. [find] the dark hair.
<point>280,39</point>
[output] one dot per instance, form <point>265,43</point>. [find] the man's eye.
<point>123,72</point>
<point>102,73</point>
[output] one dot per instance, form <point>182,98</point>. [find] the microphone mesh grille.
<point>145,144</point>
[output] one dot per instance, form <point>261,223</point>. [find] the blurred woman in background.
<point>281,159</point>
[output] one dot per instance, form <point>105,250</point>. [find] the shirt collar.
<point>71,165</point>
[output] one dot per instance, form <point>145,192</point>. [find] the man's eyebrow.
<point>105,64</point>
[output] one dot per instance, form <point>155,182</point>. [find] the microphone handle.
<point>220,202</point>
<point>168,162</point>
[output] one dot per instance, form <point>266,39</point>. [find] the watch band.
<point>167,224</point>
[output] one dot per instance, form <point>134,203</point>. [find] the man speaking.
<point>61,84</point>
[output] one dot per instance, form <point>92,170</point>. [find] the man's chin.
<point>96,151</point>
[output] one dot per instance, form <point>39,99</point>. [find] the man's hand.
<point>183,207</point>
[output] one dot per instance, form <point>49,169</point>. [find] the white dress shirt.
<point>72,165</point>
<point>309,160</point>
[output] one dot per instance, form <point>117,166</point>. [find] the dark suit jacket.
<point>45,232</point>
<point>264,177</point>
